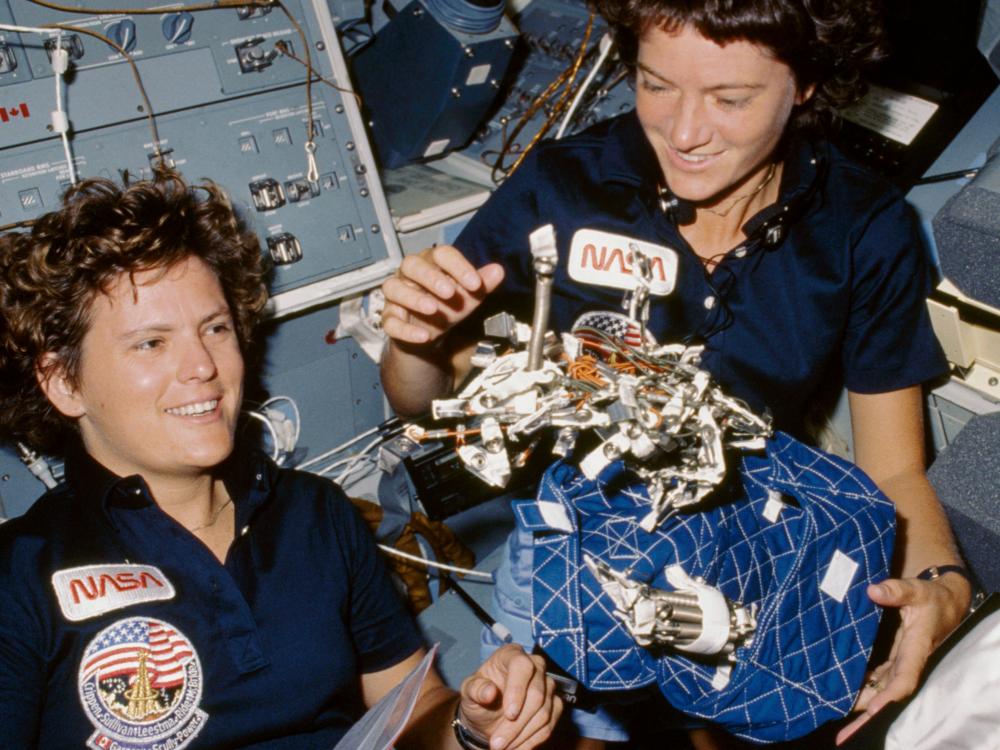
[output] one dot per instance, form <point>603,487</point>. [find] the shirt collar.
<point>248,476</point>
<point>628,157</point>
<point>804,166</point>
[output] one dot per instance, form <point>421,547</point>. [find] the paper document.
<point>384,721</point>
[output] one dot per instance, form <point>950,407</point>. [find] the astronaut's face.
<point>713,113</point>
<point>161,374</point>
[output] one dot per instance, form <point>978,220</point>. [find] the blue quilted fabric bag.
<point>807,535</point>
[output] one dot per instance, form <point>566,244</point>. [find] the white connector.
<point>60,122</point>
<point>37,465</point>
<point>60,59</point>
<point>285,429</point>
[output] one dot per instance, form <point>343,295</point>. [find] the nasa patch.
<point>92,590</point>
<point>140,684</point>
<point>604,259</point>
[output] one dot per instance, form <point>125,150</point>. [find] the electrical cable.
<point>147,106</point>
<point>500,630</point>
<point>434,564</point>
<point>60,64</point>
<point>282,47</point>
<point>338,463</point>
<point>60,121</point>
<point>359,457</point>
<point>312,170</point>
<point>359,470</point>
<point>297,417</point>
<point>334,451</point>
<point>606,45</point>
<point>276,450</point>
<point>567,77</point>
<point>158,10</point>
<point>310,145</point>
<point>948,176</point>
<point>24,29</point>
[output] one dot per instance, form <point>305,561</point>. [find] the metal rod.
<point>544,255</point>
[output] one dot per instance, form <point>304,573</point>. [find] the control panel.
<point>218,93</point>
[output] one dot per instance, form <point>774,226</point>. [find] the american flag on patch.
<point>116,652</point>
<point>616,325</point>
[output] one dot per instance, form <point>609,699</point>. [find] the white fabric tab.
<point>555,516</point>
<point>773,506</point>
<point>720,680</point>
<point>837,579</point>
<point>603,258</point>
<point>714,612</point>
<point>92,590</point>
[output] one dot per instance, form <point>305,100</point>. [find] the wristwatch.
<point>468,739</point>
<point>936,571</point>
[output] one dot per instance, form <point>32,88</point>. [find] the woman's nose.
<point>197,362</point>
<point>690,128</point>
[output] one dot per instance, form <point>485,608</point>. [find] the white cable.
<point>60,120</point>
<point>338,449</point>
<point>270,428</point>
<point>295,411</point>
<point>364,452</point>
<point>606,45</point>
<point>360,471</point>
<point>60,64</point>
<point>28,29</point>
<point>434,564</point>
<point>355,461</point>
<point>339,462</point>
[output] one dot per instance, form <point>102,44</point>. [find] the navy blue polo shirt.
<point>119,629</point>
<point>832,280</point>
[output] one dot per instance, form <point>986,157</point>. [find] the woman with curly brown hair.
<point>181,590</point>
<point>790,264</point>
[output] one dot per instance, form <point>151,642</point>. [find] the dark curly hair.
<point>826,43</point>
<point>50,275</point>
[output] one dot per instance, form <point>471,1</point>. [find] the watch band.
<point>936,571</point>
<point>468,739</point>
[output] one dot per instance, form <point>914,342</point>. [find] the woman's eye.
<point>217,328</point>
<point>149,344</point>
<point>653,88</point>
<point>733,103</point>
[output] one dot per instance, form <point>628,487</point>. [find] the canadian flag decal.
<point>17,111</point>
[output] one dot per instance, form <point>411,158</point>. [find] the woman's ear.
<point>804,95</point>
<point>57,386</point>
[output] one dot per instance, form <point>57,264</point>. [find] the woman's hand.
<point>433,291</point>
<point>929,611</point>
<point>510,700</point>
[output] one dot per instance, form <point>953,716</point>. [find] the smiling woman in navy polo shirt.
<point>181,591</point>
<point>790,263</point>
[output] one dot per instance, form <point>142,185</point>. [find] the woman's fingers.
<point>432,291</point>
